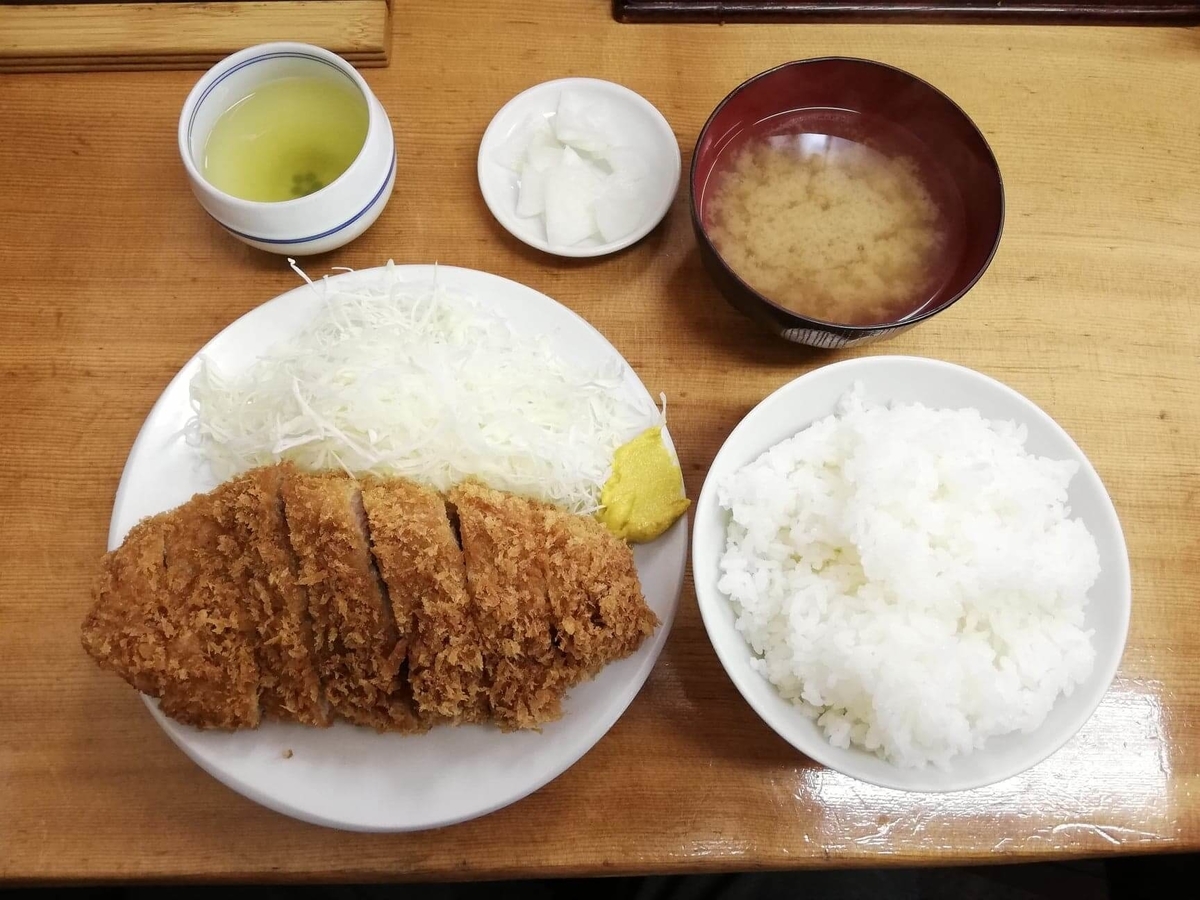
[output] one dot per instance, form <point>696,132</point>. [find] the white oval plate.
<point>939,385</point>
<point>648,133</point>
<point>352,778</point>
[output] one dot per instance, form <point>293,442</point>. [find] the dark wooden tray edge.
<point>948,12</point>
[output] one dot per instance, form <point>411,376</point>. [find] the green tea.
<point>291,137</point>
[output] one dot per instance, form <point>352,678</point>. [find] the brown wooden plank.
<point>135,64</point>
<point>949,12</point>
<point>167,60</point>
<point>184,35</point>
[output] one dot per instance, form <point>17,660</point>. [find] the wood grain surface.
<point>113,277</point>
<point>179,35</point>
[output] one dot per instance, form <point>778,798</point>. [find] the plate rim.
<point>680,531</point>
<point>708,598</point>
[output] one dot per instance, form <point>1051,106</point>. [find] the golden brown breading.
<point>127,629</point>
<point>168,617</point>
<point>218,624</point>
<point>600,613</point>
<point>556,595</point>
<point>265,591</point>
<point>359,655</point>
<point>291,690</point>
<point>507,585</point>
<point>422,564</point>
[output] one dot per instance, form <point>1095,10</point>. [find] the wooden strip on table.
<point>89,36</point>
<point>947,12</point>
<point>168,62</point>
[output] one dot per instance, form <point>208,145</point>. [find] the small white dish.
<point>321,221</point>
<point>353,778</point>
<point>643,129</point>
<point>939,385</point>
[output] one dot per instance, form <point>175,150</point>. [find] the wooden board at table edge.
<point>949,12</point>
<point>123,36</point>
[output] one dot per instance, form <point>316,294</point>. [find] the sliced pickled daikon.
<point>619,208</point>
<point>586,126</point>
<point>512,150</point>
<point>570,195</point>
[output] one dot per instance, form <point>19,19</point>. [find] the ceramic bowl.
<point>643,130</point>
<point>324,220</point>
<point>940,385</point>
<point>876,105</point>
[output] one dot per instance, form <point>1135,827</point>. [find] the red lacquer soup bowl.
<point>890,111</point>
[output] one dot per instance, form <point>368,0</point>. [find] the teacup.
<point>323,220</point>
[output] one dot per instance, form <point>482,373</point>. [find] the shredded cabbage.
<point>415,379</point>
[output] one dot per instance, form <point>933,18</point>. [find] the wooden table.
<point>113,277</point>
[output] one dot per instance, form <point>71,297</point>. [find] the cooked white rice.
<point>910,577</point>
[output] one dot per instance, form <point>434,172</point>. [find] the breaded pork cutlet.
<point>599,612</point>
<point>129,627</point>
<point>200,548</point>
<point>557,597</point>
<point>359,653</point>
<point>263,598</point>
<point>168,617</point>
<point>503,546</point>
<point>291,690</point>
<point>422,564</point>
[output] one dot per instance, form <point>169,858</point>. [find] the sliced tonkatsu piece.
<point>215,623</point>
<point>167,617</point>
<point>504,546</point>
<point>131,622</point>
<point>557,598</point>
<point>359,653</point>
<point>291,689</point>
<point>600,613</point>
<point>422,564</point>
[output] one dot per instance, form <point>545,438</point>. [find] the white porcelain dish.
<point>940,385</point>
<point>643,130</point>
<point>352,778</point>
<point>321,221</point>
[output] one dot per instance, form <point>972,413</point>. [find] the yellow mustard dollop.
<point>644,495</point>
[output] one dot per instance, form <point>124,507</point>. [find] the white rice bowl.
<point>910,577</point>
<point>924,596</point>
